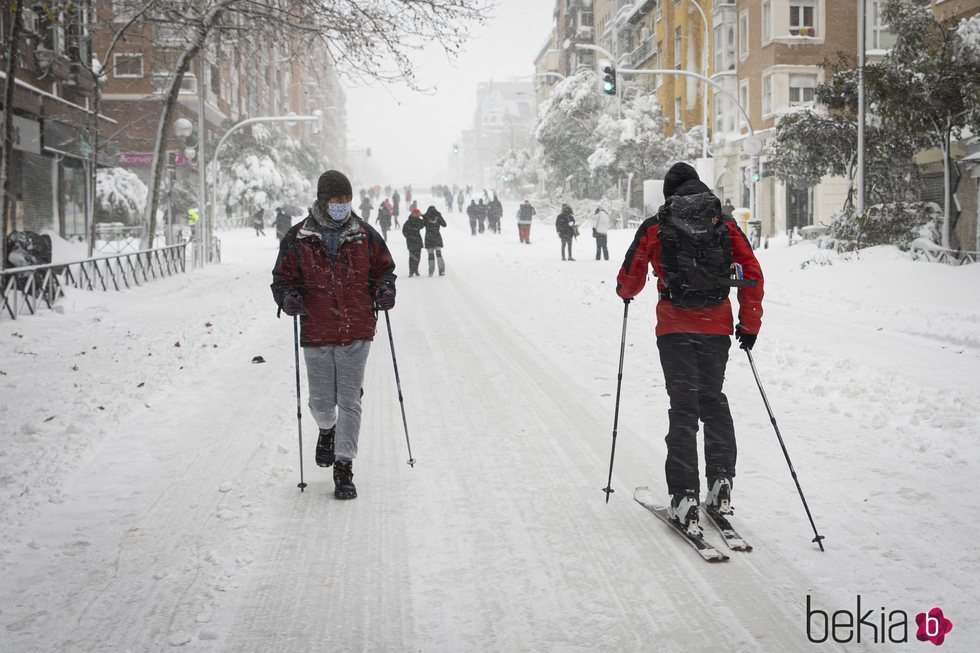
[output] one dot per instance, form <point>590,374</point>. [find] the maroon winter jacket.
<point>338,295</point>
<point>713,320</point>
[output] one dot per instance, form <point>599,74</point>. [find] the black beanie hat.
<point>677,175</point>
<point>333,184</point>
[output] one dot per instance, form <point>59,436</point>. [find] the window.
<point>678,52</point>
<point>881,37</point>
<point>719,48</point>
<point>678,117</point>
<point>743,94</point>
<point>766,21</point>
<point>801,89</point>
<point>585,19</point>
<point>127,65</point>
<point>743,36</point>
<point>730,49</point>
<point>124,11</point>
<point>803,17</point>
<point>767,95</point>
<point>718,116</point>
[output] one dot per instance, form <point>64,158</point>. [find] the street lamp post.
<point>704,72</point>
<point>316,116</point>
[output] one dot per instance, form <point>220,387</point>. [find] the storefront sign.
<point>27,134</point>
<point>145,159</point>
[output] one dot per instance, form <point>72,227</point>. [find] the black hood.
<point>682,179</point>
<point>431,212</point>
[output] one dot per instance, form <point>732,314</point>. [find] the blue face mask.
<point>338,212</point>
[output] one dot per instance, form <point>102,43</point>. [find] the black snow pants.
<point>694,372</point>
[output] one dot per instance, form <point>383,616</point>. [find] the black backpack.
<point>696,251</point>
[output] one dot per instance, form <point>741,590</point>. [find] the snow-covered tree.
<point>120,196</point>
<point>262,167</point>
<point>926,87</point>
<point>566,132</point>
<point>517,171</point>
<point>635,144</point>
<point>367,39</point>
<point>809,145</point>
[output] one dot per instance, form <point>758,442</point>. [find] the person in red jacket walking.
<point>332,270</point>
<point>694,327</point>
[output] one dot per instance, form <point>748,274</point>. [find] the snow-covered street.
<point>148,469</point>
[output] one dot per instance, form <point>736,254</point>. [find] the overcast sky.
<point>410,134</point>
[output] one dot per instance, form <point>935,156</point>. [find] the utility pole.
<point>202,192</point>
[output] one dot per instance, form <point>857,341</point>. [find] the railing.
<point>26,287</point>
<point>936,254</point>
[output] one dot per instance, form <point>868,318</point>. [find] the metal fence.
<point>26,288</point>
<point>947,256</point>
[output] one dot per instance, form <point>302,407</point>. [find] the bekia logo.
<point>878,626</point>
<point>932,626</point>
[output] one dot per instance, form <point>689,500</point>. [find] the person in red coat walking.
<point>694,338</point>
<point>332,270</point>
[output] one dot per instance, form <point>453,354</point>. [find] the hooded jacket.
<point>337,287</point>
<point>412,230</point>
<point>683,180</point>
<point>433,222</point>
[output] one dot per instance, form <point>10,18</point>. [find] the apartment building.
<point>53,120</point>
<point>546,63</point>
<point>505,113</point>
<point>574,24</point>
<point>233,77</point>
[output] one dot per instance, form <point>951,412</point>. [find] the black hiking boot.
<point>343,481</point>
<point>324,447</point>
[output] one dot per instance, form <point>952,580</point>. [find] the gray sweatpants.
<point>335,376</point>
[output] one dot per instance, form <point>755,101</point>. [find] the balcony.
<point>643,52</point>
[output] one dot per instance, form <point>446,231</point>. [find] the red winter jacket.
<point>712,320</point>
<point>338,295</point>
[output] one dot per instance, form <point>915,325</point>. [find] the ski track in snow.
<point>171,518</point>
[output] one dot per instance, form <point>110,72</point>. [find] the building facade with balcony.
<point>52,157</point>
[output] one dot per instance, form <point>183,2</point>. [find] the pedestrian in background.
<point>412,230</point>
<point>433,239</point>
<point>565,226</point>
<point>524,215</point>
<point>601,232</point>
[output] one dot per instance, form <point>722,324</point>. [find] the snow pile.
<point>120,196</point>
<point>969,34</point>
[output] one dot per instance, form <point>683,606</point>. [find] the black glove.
<point>747,339</point>
<point>384,297</point>
<point>292,303</point>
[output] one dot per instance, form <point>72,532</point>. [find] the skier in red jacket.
<point>694,325</point>
<point>332,269</point>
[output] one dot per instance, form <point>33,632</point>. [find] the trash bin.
<point>755,232</point>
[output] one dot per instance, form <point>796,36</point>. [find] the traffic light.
<point>455,148</point>
<point>756,169</point>
<point>608,77</point>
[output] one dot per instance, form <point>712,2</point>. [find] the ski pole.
<point>398,383</point>
<point>817,537</point>
<point>299,413</point>
<point>619,384</point>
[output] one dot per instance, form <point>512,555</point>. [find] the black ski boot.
<point>343,481</point>
<point>324,447</point>
<point>683,510</point>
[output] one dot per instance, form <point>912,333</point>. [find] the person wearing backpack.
<point>525,214</point>
<point>694,248</point>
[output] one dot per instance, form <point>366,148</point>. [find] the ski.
<point>734,541</point>
<point>645,498</point>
